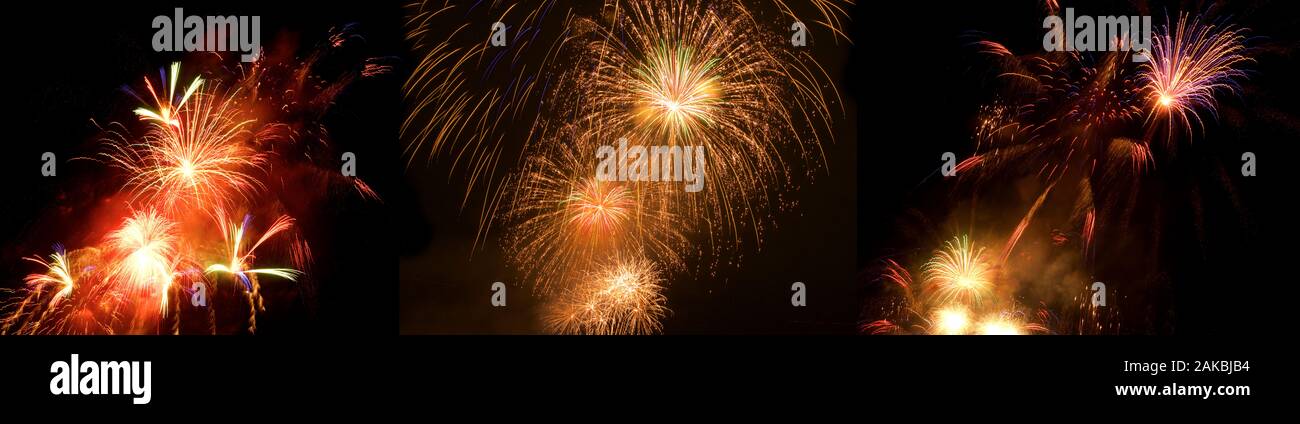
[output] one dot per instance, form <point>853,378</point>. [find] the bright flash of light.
<point>999,325</point>
<point>950,320</point>
<point>146,242</point>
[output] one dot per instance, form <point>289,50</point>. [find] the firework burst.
<point>146,243</point>
<point>242,255</point>
<point>57,277</point>
<point>679,73</point>
<point>959,273</point>
<point>195,153</point>
<point>621,297</point>
<point>1189,63</point>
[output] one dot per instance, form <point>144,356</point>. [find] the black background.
<point>799,377</point>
